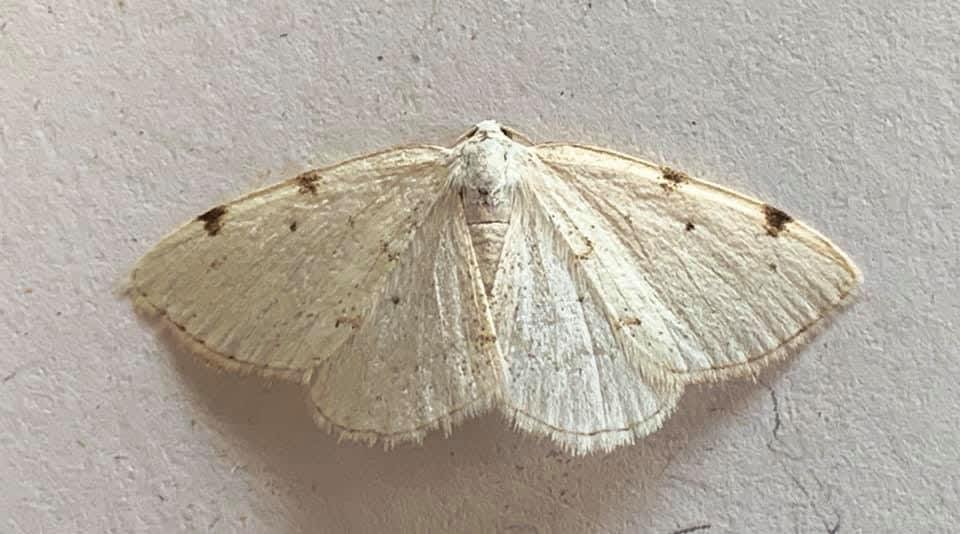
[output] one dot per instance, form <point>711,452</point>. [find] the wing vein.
<point>638,251</point>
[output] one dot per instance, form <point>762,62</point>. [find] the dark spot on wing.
<point>293,226</point>
<point>212,219</point>
<point>775,220</point>
<point>673,178</point>
<point>587,253</point>
<point>484,197</point>
<point>353,322</point>
<point>307,182</point>
<point>385,249</point>
<point>689,227</point>
<point>674,175</point>
<point>486,338</point>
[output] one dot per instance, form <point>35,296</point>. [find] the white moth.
<point>574,289</point>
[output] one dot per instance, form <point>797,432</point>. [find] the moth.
<point>574,289</point>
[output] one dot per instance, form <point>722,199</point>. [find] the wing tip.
<point>123,287</point>
<point>856,276</point>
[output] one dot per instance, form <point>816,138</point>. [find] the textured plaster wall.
<point>121,119</point>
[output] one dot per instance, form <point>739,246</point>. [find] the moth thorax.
<point>488,215</point>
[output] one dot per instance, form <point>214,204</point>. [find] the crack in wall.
<point>705,526</point>
<point>823,493</point>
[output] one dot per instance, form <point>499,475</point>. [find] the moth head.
<point>491,129</point>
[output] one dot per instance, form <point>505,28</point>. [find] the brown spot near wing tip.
<point>674,175</point>
<point>307,182</point>
<point>673,178</point>
<point>212,219</point>
<point>775,220</point>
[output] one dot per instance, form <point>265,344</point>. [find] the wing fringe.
<point>390,440</point>
<point>585,443</point>
<point>173,333</point>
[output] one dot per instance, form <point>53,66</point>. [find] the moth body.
<point>485,168</point>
